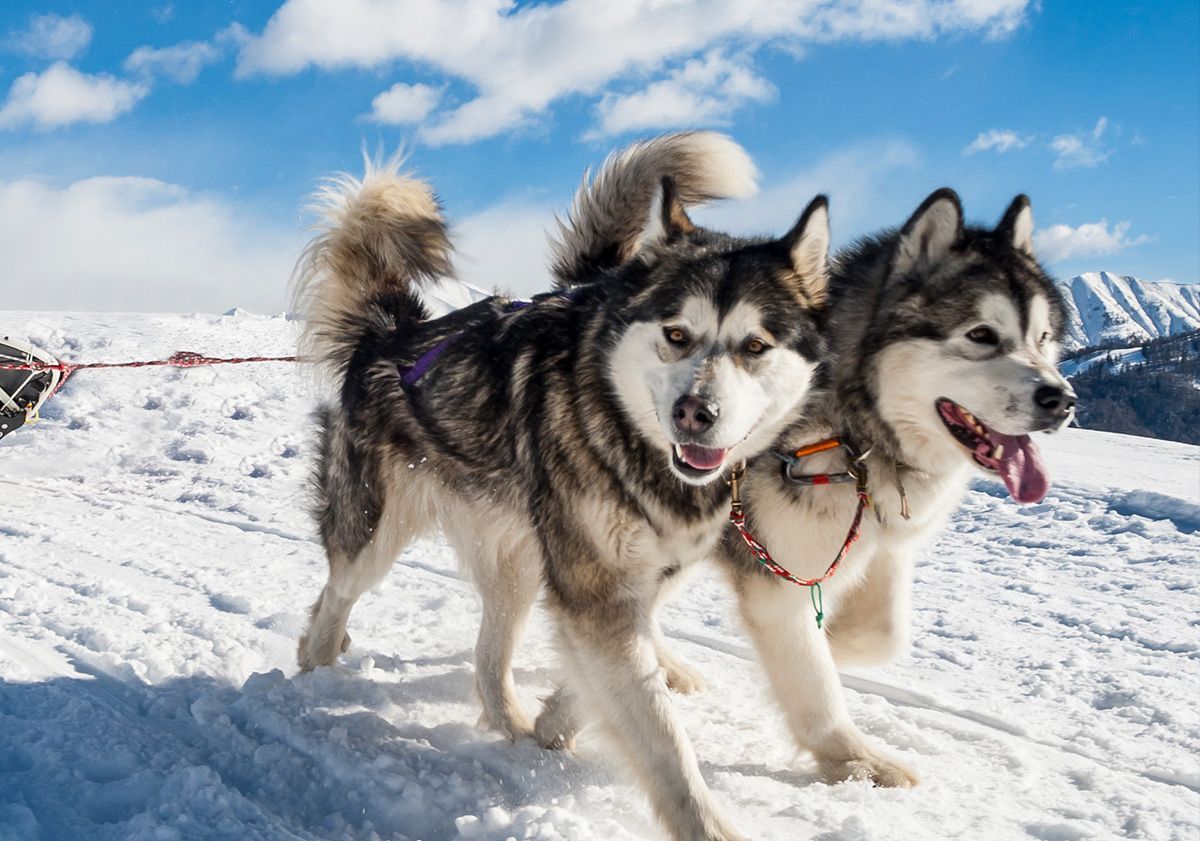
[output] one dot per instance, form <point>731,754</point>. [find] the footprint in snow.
<point>229,604</point>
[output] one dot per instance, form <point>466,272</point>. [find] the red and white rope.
<point>179,359</point>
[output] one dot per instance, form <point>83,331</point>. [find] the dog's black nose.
<point>693,415</point>
<point>1054,400</point>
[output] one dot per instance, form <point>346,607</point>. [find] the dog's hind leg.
<point>804,679</point>
<point>326,635</point>
<point>352,575</point>
<point>506,568</point>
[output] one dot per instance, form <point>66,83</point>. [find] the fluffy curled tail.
<point>608,216</point>
<point>381,239</point>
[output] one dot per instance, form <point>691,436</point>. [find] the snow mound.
<point>1155,506</point>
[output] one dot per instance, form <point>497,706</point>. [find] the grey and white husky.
<point>589,430</point>
<point>943,343</point>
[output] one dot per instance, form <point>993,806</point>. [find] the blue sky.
<point>157,156</point>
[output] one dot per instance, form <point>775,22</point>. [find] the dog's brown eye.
<point>756,346</point>
<point>984,336</point>
<point>676,335</point>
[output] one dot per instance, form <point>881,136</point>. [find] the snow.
<point>1106,307</point>
<point>157,562</point>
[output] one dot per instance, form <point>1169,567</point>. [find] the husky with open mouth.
<point>588,429</point>
<point>944,339</point>
<point>943,343</point>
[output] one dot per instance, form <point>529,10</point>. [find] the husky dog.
<point>944,340</point>
<point>589,430</point>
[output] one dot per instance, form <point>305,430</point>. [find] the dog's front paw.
<point>515,725</point>
<point>683,679</point>
<point>883,772</point>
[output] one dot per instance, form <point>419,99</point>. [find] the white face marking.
<point>995,383</point>
<point>753,401</point>
<point>999,313</point>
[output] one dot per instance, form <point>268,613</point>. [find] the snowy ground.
<point>156,562</point>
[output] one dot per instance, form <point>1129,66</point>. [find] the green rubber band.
<point>818,602</point>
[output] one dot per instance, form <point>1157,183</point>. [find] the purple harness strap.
<point>414,372</point>
<point>410,374</point>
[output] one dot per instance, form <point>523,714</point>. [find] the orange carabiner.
<point>819,447</point>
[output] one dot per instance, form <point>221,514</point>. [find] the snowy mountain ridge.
<point>1106,308</point>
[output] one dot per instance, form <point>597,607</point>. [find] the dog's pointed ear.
<point>807,246</point>
<point>930,232</point>
<point>1016,228</point>
<point>667,220</point>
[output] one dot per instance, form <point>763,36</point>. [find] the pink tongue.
<point>1022,468</point>
<point>702,458</point>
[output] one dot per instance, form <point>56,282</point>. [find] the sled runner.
<point>22,392</point>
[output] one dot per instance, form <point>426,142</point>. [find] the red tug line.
<point>179,359</point>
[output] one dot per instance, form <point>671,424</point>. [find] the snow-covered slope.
<point>1105,307</point>
<point>156,563</point>
<point>1120,357</point>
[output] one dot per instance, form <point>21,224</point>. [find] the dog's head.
<point>718,338</point>
<point>973,327</point>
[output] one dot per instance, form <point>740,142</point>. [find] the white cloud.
<point>1083,150</point>
<point>505,247</point>
<point>1092,239</point>
<point>704,91</point>
<point>521,59</point>
<point>137,244</point>
<point>403,103</point>
<point>61,95</point>
<point>51,37</point>
<point>1000,140</point>
<point>181,62</point>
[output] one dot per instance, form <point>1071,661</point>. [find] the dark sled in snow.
<point>22,392</point>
